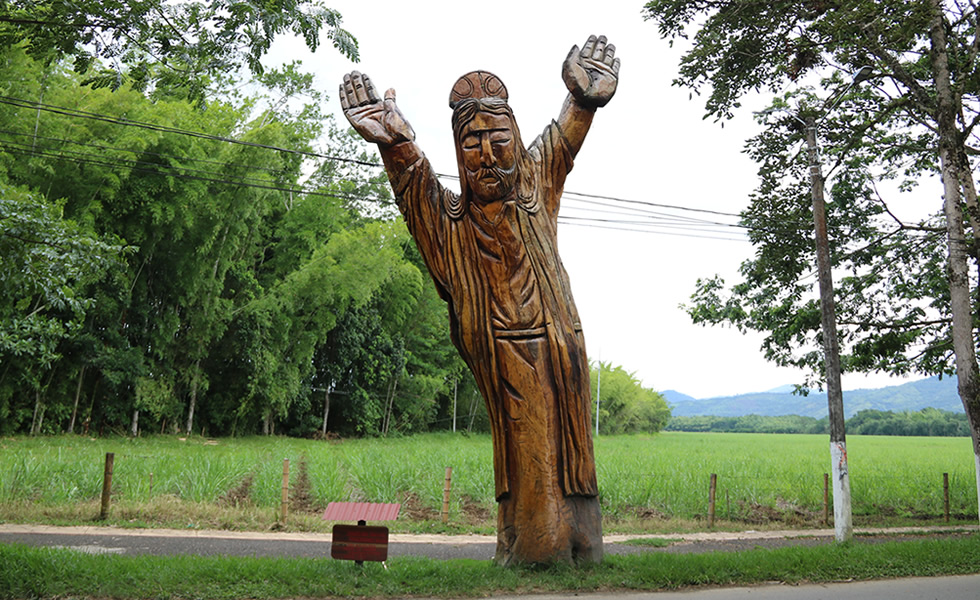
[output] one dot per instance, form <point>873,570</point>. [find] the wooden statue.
<point>493,255</point>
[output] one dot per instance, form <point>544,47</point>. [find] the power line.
<point>160,169</point>
<point>152,168</point>
<point>34,136</point>
<point>633,222</point>
<point>120,162</point>
<point>69,112</point>
<point>645,203</point>
<point>147,171</point>
<point>665,217</point>
<point>562,220</point>
<point>635,207</point>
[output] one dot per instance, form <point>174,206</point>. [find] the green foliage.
<point>926,422</point>
<point>45,264</point>
<point>625,406</point>
<point>223,312</point>
<point>751,424</point>
<point>166,46</point>
<point>879,138</point>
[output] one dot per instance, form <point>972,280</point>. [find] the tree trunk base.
<point>562,529</point>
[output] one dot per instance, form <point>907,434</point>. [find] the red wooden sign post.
<point>360,542</point>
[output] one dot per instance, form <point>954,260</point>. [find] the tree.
<point>46,263</point>
<point>165,45</point>
<point>200,215</point>
<point>240,272</point>
<point>625,406</point>
<point>905,304</point>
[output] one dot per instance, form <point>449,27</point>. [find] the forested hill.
<point>912,396</point>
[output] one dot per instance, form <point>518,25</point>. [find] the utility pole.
<point>835,398</point>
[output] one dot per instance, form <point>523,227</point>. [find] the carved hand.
<point>591,74</point>
<point>376,120</point>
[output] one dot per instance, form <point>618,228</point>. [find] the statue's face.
<point>489,156</point>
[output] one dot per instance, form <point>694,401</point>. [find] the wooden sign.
<point>359,543</point>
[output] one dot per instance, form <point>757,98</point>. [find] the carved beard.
<point>489,184</point>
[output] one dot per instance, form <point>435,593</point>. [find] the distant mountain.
<point>673,397</point>
<point>913,396</point>
<point>783,389</point>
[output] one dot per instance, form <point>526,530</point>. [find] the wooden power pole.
<point>835,397</point>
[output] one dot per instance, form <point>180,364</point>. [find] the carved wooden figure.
<point>492,252</point>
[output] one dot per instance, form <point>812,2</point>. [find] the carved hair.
<point>464,113</point>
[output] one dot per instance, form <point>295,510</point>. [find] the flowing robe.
<point>513,318</point>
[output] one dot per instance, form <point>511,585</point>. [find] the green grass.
<point>645,481</point>
<point>51,573</point>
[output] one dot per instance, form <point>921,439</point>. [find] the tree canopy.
<point>160,44</point>
<point>169,265</point>
<point>625,406</point>
<point>881,136</point>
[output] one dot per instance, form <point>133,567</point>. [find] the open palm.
<point>592,73</point>
<point>376,120</point>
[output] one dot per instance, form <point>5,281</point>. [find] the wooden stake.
<point>107,485</point>
<point>946,496</point>
<point>445,494</point>
<point>711,500</point>
<point>284,510</point>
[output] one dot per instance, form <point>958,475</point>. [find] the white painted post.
<point>842,492</point>
<point>978,482</point>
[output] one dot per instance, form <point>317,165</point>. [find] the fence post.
<point>445,494</point>
<point>107,485</point>
<point>284,510</point>
<point>826,499</point>
<point>711,500</point>
<point>946,496</point>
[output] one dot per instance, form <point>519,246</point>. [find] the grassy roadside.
<point>45,573</point>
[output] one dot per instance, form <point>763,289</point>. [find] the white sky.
<point>650,143</point>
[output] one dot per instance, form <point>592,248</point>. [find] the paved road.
<point>98,540</point>
<point>961,587</point>
<point>113,540</point>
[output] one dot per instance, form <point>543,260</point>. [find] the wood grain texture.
<point>492,253</point>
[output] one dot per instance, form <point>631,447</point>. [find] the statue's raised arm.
<point>378,120</point>
<point>591,76</point>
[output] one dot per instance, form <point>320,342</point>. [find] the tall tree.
<point>902,304</point>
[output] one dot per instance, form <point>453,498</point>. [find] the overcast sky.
<point>648,144</point>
